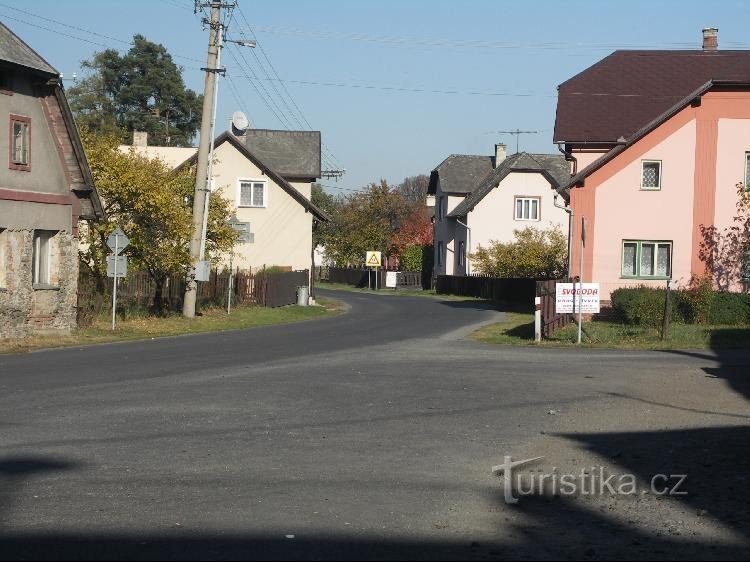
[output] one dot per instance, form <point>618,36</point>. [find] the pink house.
<point>657,141</point>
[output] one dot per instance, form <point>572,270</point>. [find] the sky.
<point>394,86</point>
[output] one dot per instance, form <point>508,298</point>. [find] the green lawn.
<point>518,329</point>
<point>140,327</point>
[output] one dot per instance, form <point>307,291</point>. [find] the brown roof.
<point>625,91</point>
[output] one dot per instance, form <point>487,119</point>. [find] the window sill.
<point>19,167</point>
<point>623,278</point>
<point>251,206</point>
<point>45,287</point>
<point>650,188</point>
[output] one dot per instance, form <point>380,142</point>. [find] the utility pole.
<point>201,178</point>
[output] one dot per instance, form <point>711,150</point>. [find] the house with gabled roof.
<point>276,203</point>
<point>481,199</point>
<point>657,142</point>
<point>46,187</point>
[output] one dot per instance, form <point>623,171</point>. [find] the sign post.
<point>373,260</point>
<point>580,280</point>
<point>117,266</point>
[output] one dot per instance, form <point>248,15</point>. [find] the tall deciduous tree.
<point>153,204</point>
<point>414,189</point>
<point>141,90</point>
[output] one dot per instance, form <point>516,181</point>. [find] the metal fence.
<point>366,277</point>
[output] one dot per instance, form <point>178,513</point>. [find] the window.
<point>461,254</point>
<point>252,194</point>
<point>440,253</point>
<point>527,208</point>
<point>745,274</point>
<point>42,257</point>
<point>440,208</point>
<point>747,171</point>
<point>651,174</point>
<point>20,143</point>
<point>642,259</point>
<point>3,258</point>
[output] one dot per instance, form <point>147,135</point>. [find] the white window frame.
<point>3,258</point>
<point>523,199</point>
<point>638,254</point>
<point>643,165</point>
<point>41,267</point>
<point>252,181</point>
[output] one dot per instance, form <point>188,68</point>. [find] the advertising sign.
<point>567,298</point>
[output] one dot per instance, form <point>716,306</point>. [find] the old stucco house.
<point>267,176</point>
<point>480,199</point>
<point>45,189</point>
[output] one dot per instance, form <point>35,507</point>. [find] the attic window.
<point>651,174</point>
<point>20,143</point>
<point>6,86</point>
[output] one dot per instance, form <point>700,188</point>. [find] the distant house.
<point>479,199</point>
<point>46,187</point>
<point>274,199</point>
<point>658,140</point>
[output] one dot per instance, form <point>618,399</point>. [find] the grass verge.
<point>140,327</point>
<point>518,329</point>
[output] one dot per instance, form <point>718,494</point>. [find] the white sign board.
<point>118,241</point>
<point>203,271</point>
<point>373,259</point>
<point>391,279</point>
<point>567,298</point>
<point>122,266</point>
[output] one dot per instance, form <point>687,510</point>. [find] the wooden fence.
<point>138,291</point>
<point>551,320</point>
<point>493,288</point>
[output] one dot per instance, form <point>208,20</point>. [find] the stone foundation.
<point>27,309</point>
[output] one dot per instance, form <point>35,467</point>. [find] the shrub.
<point>644,306</point>
<point>411,258</point>
<point>534,254</point>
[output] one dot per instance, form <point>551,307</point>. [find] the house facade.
<point>46,187</point>
<point>481,199</point>
<point>656,163</point>
<point>277,207</point>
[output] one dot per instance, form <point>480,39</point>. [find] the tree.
<point>153,204</point>
<point>365,221</point>
<point>726,253</point>
<point>326,202</point>
<point>414,189</point>
<point>142,90</point>
<point>535,254</point>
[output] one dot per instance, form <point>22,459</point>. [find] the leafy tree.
<point>726,252</point>
<point>365,221</point>
<point>322,231</point>
<point>415,230</point>
<point>153,204</point>
<point>536,254</point>
<point>141,90</point>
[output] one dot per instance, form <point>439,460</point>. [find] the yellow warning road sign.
<point>373,259</point>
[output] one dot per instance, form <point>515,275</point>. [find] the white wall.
<point>493,219</point>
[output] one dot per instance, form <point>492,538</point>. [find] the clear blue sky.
<point>394,61</point>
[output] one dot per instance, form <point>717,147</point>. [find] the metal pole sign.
<point>580,280</point>
<point>117,266</point>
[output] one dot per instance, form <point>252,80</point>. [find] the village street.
<point>368,435</point>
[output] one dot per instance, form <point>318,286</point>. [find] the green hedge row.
<point>644,306</point>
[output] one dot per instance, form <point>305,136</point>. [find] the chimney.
<point>710,39</point>
<point>140,138</point>
<point>499,154</point>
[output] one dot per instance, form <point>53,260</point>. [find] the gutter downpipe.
<point>568,210</point>
<point>468,244</point>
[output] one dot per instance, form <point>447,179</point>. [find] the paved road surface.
<point>369,435</point>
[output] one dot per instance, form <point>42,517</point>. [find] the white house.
<point>274,200</point>
<point>479,199</point>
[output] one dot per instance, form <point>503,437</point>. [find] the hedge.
<point>644,306</point>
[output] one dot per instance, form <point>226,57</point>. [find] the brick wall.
<point>25,309</point>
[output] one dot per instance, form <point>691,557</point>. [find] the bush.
<point>411,259</point>
<point>534,254</point>
<point>644,306</point>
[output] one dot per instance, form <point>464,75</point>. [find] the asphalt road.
<point>366,436</point>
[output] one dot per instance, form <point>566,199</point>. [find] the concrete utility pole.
<point>201,178</point>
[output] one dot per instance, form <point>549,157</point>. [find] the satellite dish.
<point>239,121</point>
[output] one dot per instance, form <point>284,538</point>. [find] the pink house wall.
<point>702,152</point>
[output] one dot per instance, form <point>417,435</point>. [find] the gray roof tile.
<point>14,50</point>
<point>293,154</point>
<point>460,173</point>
